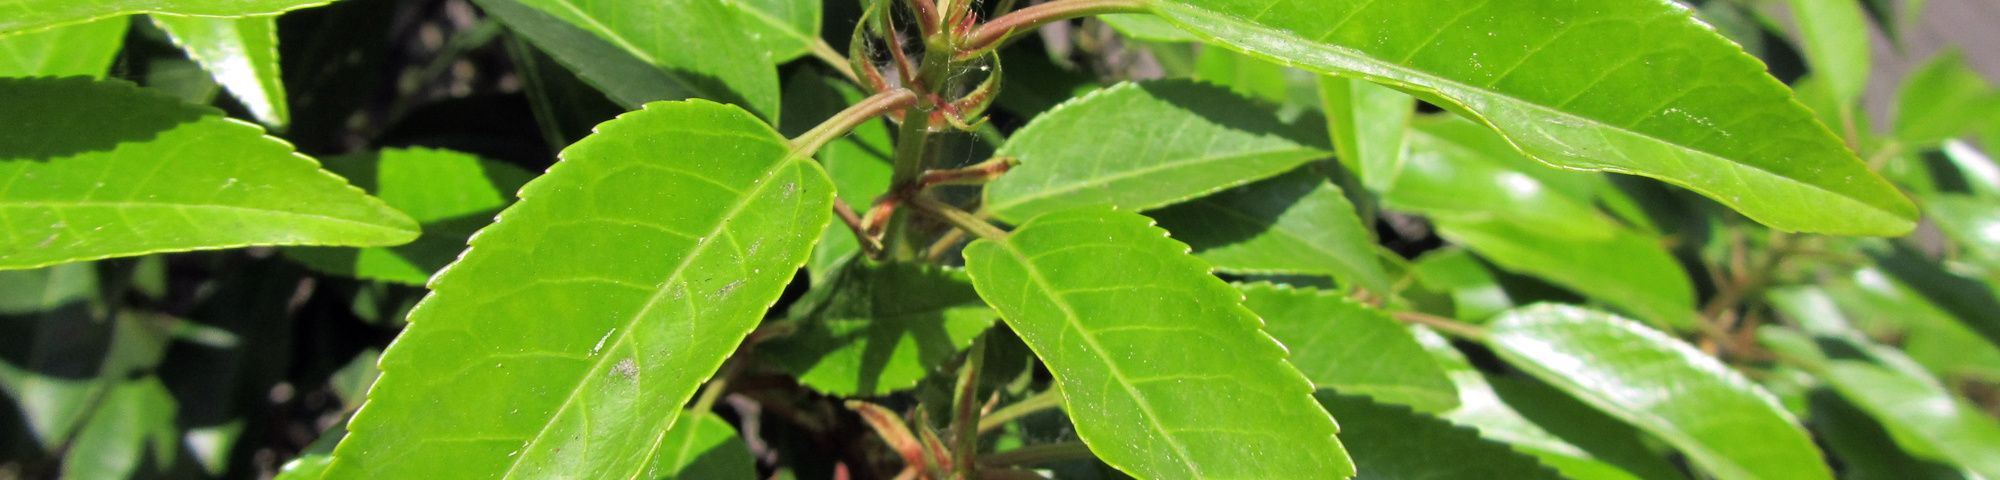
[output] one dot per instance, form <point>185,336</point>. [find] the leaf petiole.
<point>875,105</point>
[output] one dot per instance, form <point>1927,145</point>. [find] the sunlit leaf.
<point>1368,123</point>
<point>1834,35</point>
<point>1143,145</point>
<point>450,194</point>
<point>242,55</point>
<point>135,418</point>
<point>1296,223</point>
<point>1585,84</point>
<point>702,447</point>
<point>1628,270</point>
<point>1165,375</point>
<point>638,52</point>
<point>1341,344</point>
<point>82,49</point>
<point>20,16</point>
<point>1943,99</point>
<point>1723,422</point>
<point>1391,442</point>
<point>186,179</point>
<point>619,282</point>
<point>785,29</point>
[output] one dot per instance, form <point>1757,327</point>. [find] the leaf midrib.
<point>1356,56</point>
<point>99,204</point>
<point>1125,175</point>
<point>700,250</point>
<point>1070,317</point>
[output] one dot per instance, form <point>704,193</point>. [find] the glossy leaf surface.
<point>1143,145</point>
<point>1481,407</point>
<point>619,283</point>
<point>638,52</point>
<point>103,169</point>
<point>1629,270</point>
<point>242,55</point>
<point>1726,424</point>
<point>1164,373</point>
<point>878,328</point>
<point>19,16</point>
<point>81,49</point>
<point>702,446</point>
<point>1916,408</point>
<point>1297,222</point>
<point>1456,170</point>
<point>1390,442</point>
<point>1341,344</point>
<point>450,194</point>
<point>1577,83</point>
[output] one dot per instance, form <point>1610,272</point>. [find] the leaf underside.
<point>618,283</point>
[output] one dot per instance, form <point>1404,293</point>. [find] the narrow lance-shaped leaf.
<point>621,280</point>
<point>242,55</point>
<point>103,169</point>
<point>1726,424</point>
<point>1164,373</point>
<point>1143,145</point>
<point>638,52</point>
<point>1368,123</point>
<point>81,49</point>
<point>18,16</point>
<point>1481,407</point>
<point>1341,344</point>
<point>451,194</point>
<point>1391,442</point>
<point>1834,35</point>
<point>1628,270</point>
<point>1917,409</point>
<point>1297,223</point>
<point>1943,99</point>
<point>1630,86</point>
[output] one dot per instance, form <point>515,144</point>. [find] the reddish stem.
<point>991,34</point>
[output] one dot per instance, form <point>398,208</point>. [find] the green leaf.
<point>1457,170</point>
<point>1341,344</point>
<point>134,417</point>
<point>1969,300</point>
<point>638,52</point>
<point>879,328</point>
<point>1981,173</point>
<point>1368,123</point>
<point>1864,448</point>
<point>1942,100</point>
<point>1297,223</point>
<point>1835,39</point>
<point>701,448</point>
<point>241,53</point>
<point>22,16</point>
<point>1146,27</point>
<point>1628,270</point>
<point>306,467</point>
<point>104,169</point>
<point>1481,407</point>
<point>82,49</point>
<point>1476,295</point>
<point>1880,306</point>
<point>451,194</point>
<point>1143,145</point>
<point>1163,372</point>
<point>1973,223</point>
<point>1917,409</point>
<point>1577,84</point>
<point>785,29</point>
<point>1246,76</point>
<point>1391,442</point>
<point>1725,423</point>
<point>1607,439</point>
<point>859,163</point>
<point>619,282</point>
